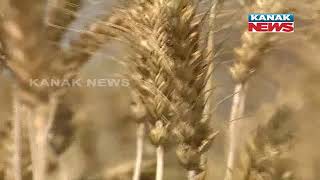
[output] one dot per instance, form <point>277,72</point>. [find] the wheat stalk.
<point>139,115</point>
<point>237,111</point>
<point>2,57</point>
<point>60,138</point>
<point>139,151</point>
<point>18,161</point>
<point>17,120</point>
<point>248,59</point>
<point>125,171</point>
<point>5,137</point>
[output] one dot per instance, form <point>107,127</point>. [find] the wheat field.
<point>158,89</point>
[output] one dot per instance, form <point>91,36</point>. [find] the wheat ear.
<point>210,50</point>
<point>193,69</point>
<point>23,27</point>
<point>248,59</point>
<point>151,67</point>
<point>265,155</point>
<point>162,74</point>
<point>22,31</point>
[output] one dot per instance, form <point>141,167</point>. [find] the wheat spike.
<point>248,59</point>
<point>266,154</point>
<point>153,70</point>
<point>21,27</point>
<point>193,130</point>
<point>169,73</point>
<point>254,45</point>
<point>151,67</point>
<point>49,61</point>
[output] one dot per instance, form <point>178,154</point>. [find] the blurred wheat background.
<point>215,101</point>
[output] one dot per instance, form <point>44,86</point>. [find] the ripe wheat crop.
<point>180,57</point>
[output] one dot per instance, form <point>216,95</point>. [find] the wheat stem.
<point>192,175</point>
<point>64,173</point>
<point>38,132</point>
<point>210,51</point>
<point>17,121</point>
<point>237,111</point>
<point>160,162</point>
<point>139,155</point>
<point>38,144</point>
<point>209,85</point>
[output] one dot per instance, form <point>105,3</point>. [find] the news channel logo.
<point>275,23</point>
